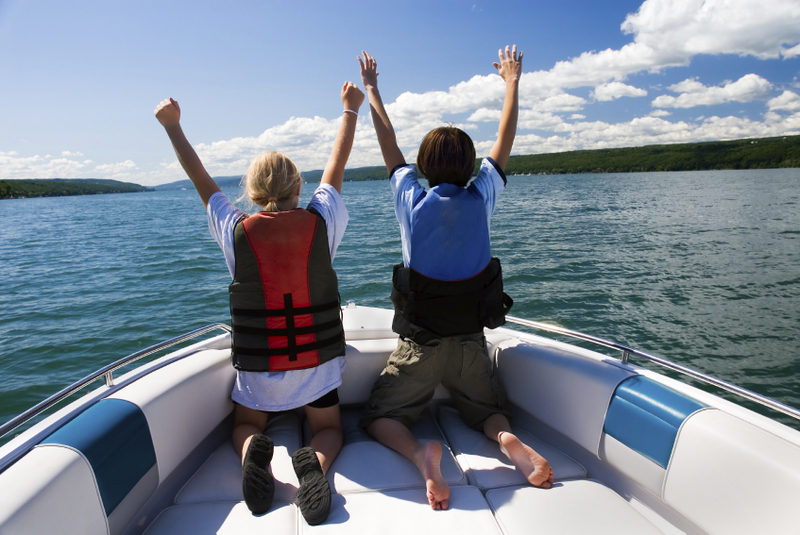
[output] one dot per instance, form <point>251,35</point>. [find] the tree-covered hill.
<point>764,153</point>
<point>59,187</point>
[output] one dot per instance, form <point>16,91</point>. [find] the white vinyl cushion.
<point>486,466</point>
<point>51,490</point>
<point>365,359</point>
<point>406,512</point>
<point>183,402</point>
<point>224,518</point>
<point>580,506</point>
<point>364,464</point>
<point>544,379</point>
<point>220,477</point>
<point>728,476</point>
<point>633,464</point>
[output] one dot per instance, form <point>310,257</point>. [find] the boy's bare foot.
<point>438,490</point>
<point>533,466</point>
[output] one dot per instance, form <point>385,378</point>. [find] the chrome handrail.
<point>107,372</point>
<point>628,351</point>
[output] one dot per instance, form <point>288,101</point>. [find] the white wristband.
<point>350,111</point>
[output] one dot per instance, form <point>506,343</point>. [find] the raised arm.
<point>510,69</point>
<point>168,114</point>
<point>352,97</point>
<point>392,155</point>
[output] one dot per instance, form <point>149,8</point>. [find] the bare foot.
<point>533,466</point>
<point>438,490</point>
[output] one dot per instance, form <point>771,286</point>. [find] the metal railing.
<point>629,351</point>
<point>107,372</point>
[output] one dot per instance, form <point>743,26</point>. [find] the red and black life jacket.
<point>285,310</point>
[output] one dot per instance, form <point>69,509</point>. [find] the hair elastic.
<point>272,199</point>
<point>350,111</point>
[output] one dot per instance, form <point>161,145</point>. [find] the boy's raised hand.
<point>369,71</point>
<point>510,66</point>
<point>168,112</point>
<point>352,97</point>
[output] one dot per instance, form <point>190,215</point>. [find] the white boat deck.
<point>152,454</point>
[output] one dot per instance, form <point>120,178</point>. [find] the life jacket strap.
<point>272,352</point>
<point>279,312</point>
<point>261,331</point>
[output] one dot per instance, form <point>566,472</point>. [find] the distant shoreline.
<point>64,187</point>
<point>752,153</point>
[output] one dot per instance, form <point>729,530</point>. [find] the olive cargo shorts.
<point>460,363</point>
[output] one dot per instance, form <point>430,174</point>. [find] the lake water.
<point>701,268</point>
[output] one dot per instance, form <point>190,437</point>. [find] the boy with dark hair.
<point>447,289</point>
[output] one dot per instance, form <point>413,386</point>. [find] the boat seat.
<point>220,477</point>
<point>401,512</point>
<point>51,490</point>
<point>486,466</point>
<point>223,518</point>
<point>578,506</point>
<point>543,379</point>
<point>640,429</point>
<point>729,476</point>
<point>183,402</point>
<point>366,465</point>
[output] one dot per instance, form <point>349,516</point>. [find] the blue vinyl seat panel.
<point>646,416</point>
<point>114,436</point>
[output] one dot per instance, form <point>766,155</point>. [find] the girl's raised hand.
<point>369,70</point>
<point>510,66</point>
<point>168,112</point>
<point>352,97</point>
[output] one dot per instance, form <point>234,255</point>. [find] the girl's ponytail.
<point>270,179</point>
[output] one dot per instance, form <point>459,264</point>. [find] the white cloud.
<point>654,130</point>
<point>15,166</point>
<point>685,28</point>
<point>788,101</point>
<point>115,169</point>
<point>669,33</point>
<point>561,102</point>
<point>692,93</point>
<point>615,90</point>
<point>791,52</point>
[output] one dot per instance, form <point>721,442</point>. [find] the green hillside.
<point>59,187</point>
<point>764,153</point>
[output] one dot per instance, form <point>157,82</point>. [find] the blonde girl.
<point>288,342</point>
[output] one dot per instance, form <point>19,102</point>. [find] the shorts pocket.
<point>408,358</point>
<point>475,363</point>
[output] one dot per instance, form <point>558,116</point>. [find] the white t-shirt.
<point>280,391</point>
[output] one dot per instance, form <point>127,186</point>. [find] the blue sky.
<point>80,79</point>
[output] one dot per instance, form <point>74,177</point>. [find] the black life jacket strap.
<point>280,312</point>
<point>292,352</point>
<point>261,331</point>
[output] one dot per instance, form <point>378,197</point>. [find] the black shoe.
<point>258,485</point>
<point>314,494</point>
<point>258,488</point>
<point>259,451</point>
